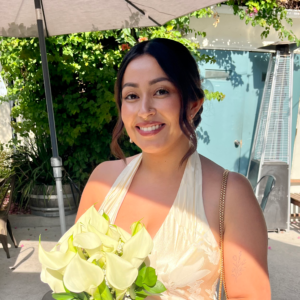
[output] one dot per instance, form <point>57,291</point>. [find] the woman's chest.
<point>149,201</point>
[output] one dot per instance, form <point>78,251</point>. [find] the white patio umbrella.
<point>40,18</point>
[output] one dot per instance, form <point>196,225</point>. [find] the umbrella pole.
<point>56,161</point>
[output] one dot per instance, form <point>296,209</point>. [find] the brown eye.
<point>131,97</point>
<point>161,92</point>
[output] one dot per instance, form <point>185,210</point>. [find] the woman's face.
<point>151,106</point>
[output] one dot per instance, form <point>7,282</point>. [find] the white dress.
<point>186,255</point>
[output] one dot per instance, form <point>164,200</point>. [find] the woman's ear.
<point>195,106</point>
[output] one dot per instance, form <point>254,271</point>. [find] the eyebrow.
<point>150,82</point>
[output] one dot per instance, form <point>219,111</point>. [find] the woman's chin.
<point>153,148</point>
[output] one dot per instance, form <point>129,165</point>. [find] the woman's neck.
<point>165,164</point>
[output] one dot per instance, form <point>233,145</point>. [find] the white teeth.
<point>151,128</point>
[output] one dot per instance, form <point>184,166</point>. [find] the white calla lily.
<point>138,247</point>
<point>125,236</point>
<point>120,273</point>
<point>56,260</point>
<point>54,279</point>
<point>108,244</point>
<point>87,240</point>
<point>63,241</point>
<point>100,259</point>
<point>96,256</point>
<point>92,217</point>
<point>113,233</point>
<point>81,275</point>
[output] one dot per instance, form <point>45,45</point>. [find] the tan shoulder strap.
<point>221,246</point>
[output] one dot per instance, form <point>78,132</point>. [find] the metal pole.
<point>56,161</point>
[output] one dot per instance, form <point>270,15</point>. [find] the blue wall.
<point>235,117</point>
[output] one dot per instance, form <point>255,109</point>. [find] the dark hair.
<point>181,68</point>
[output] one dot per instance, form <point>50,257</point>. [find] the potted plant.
<point>35,184</point>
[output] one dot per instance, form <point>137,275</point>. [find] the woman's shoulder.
<point>100,183</point>
<point>111,169</point>
<point>214,172</point>
<point>238,186</point>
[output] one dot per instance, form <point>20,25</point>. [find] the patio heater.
<point>271,150</point>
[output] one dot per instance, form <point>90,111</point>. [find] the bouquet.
<point>96,260</point>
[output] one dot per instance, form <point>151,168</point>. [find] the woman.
<point>173,189</point>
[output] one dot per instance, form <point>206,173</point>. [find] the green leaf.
<point>141,294</point>
<point>141,275</point>
<point>82,296</point>
<point>104,292</point>
<point>150,277</point>
<point>97,295</point>
<point>62,296</point>
<point>158,288</point>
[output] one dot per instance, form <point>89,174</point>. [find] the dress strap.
<point>222,214</point>
<point>117,192</point>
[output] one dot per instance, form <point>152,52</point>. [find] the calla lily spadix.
<point>81,275</point>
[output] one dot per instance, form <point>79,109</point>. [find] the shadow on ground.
<point>20,275</point>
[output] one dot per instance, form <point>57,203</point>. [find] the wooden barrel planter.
<point>44,202</point>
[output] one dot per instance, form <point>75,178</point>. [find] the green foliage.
<point>103,292</point>
<point>267,14</point>
<point>30,163</point>
<point>70,296</point>
<point>146,284</point>
<point>82,69</point>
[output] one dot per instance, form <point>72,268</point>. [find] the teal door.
<point>227,128</point>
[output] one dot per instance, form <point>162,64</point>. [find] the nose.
<point>146,107</point>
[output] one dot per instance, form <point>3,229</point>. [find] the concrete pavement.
<point>20,275</point>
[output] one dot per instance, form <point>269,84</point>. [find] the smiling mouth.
<point>150,128</point>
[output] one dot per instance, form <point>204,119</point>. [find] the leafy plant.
<point>31,165</point>
<point>267,14</point>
